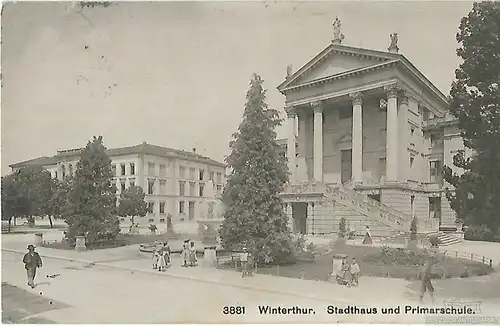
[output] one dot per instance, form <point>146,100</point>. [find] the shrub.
<point>413,228</point>
<point>434,241</point>
<point>342,228</point>
<point>301,251</point>
<point>481,233</point>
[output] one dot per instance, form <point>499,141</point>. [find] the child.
<point>355,272</point>
<point>192,255</point>
<point>156,256</point>
<point>162,265</point>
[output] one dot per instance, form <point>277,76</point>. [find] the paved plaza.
<point>123,281</point>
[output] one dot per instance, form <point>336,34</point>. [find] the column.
<point>392,134</point>
<point>318,141</point>
<point>357,137</point>
<point>302,173</point>
<point>310,218</point>
<point>292,162</point>
<point>404,132</point>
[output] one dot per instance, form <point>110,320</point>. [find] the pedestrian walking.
<point>32,261</point>
<point>425,279</point>
<point>156,257</point>
<point>355,270</point>
<point>244,262</point>
<point>368,236</point>
<point>166,247</point>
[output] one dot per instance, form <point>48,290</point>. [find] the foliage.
<point>481,233</point>
<point>414,228</point>
<point>27,192</point>
<point>92,202</point>
<point>475,102</point>
<point>254,215</point>
<point>342,228</point>
<point>434,241</point>
<point>132,203</point>
<point>388,256</point>
<point>169,222</point>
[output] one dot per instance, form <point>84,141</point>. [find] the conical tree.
<point>92,200</point>
<point>254,215</point>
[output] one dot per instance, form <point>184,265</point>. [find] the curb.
<point>197,279</point>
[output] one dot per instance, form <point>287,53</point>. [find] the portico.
<point>355,123</point>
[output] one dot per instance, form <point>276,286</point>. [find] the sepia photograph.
<point>246,162</point>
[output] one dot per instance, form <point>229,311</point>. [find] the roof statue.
<point>393,47</point>
<point>288,71</point>
<point>338,37</point>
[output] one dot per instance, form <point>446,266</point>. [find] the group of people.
<point>161,257</point>
<point>348,274</point>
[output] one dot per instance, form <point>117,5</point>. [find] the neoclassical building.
<point>174,181</point>
<point>368,135</point>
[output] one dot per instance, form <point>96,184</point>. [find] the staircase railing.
<point>358,205</point>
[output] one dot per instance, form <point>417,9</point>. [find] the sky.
<point>175,74</point>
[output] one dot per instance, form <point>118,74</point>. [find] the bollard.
<point>302,274</point>
<point>278,270</point>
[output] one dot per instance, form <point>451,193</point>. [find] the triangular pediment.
<point>335,60</point>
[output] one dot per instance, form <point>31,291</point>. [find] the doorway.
<point>299,215</point>
<point>435,208</point>
<point>191,210</point>
<point>346,165</point>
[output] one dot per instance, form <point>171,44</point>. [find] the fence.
<point>467,256</point>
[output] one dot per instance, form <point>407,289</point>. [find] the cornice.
<point>343,75</point>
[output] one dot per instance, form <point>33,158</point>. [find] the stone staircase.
<point>398,221</point>
<point>445,238</point>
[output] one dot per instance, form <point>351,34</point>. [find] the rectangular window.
<point>412,159</point>
<point>113,167</point>
<point>132,168</point>
<point>219,175</point>
<point>211,177</point>
<point>182,172</point>
<point>181,207</point>
<point>151,186</point>
<point>151,168</point>
<point>192,172</point>
<point>132,182</point>
<point>151,206</point>
<point>162,207</point>
<point>182,186</point>
<point>202,175</point>
<point>122,166</point>
<point>202,187</point>
<point>163,170</point>
<point>151,220</point>
<point>122,184</point>
<point>435,171</point>
<point>163,187</point>
<point>192,187</point>
<point>56,176</point>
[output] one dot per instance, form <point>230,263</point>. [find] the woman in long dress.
<point>185,253</point>
<point>192,255</point>
<point>162,264</point>
<point>346,277</point>
<point>368,236</point>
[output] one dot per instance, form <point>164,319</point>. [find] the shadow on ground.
<point>18,304</point>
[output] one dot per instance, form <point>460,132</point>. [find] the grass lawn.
<point>367,257</point>
<point>121,240</point>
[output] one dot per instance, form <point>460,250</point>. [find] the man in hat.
<point>31,262</point>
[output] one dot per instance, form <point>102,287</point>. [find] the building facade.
<point>174,181</point>
<point>368,135</point>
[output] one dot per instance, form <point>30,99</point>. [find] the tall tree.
<point>254,214</point>
<point>475,101</point>
<point>132,203</point>
<point>13,205</point>
<point>92,201</point>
